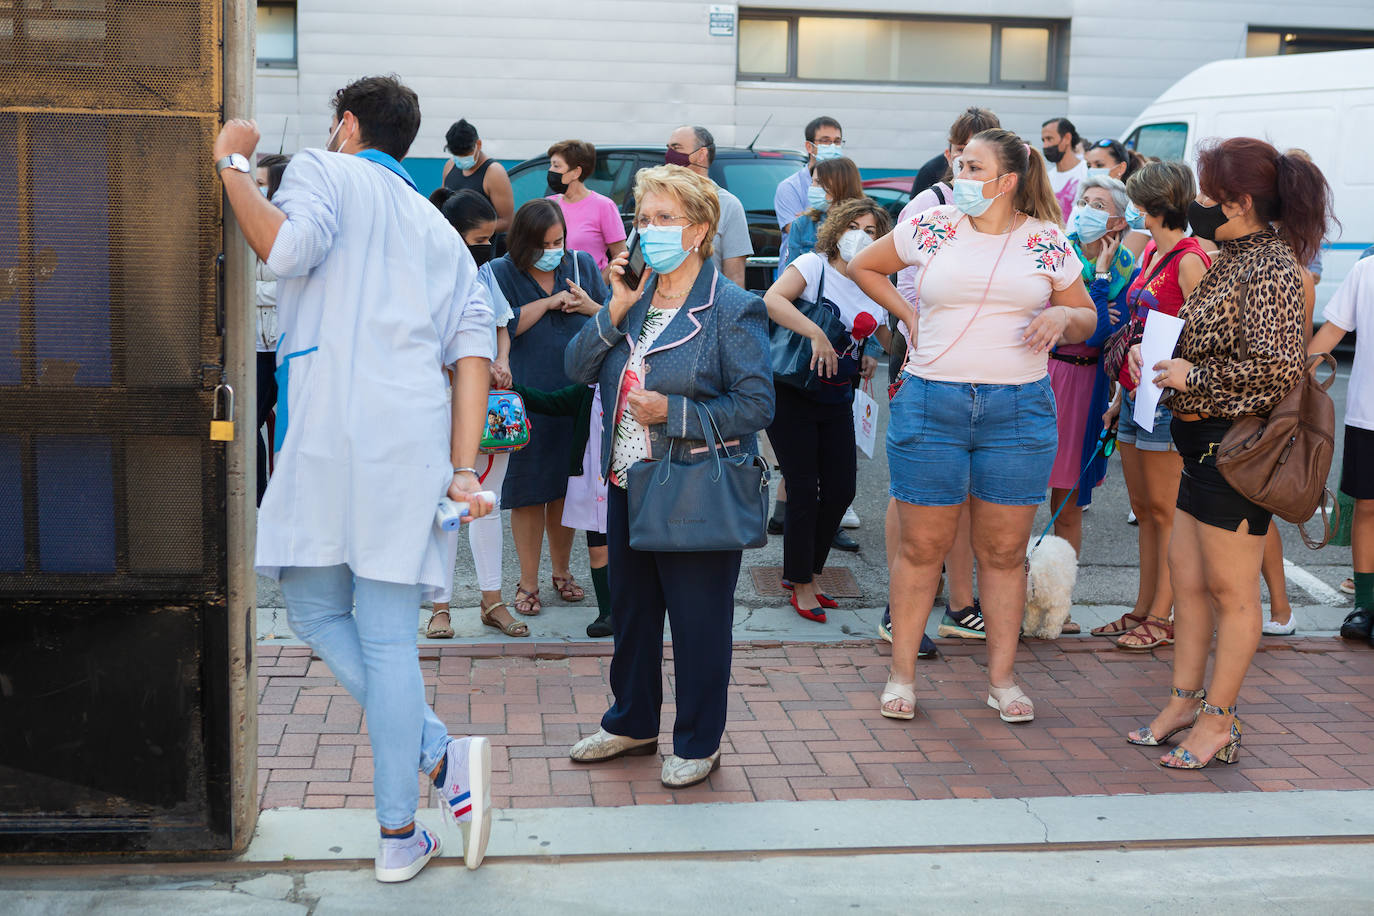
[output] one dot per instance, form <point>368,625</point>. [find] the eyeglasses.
<point>660,220</point>
<point>1095,204</point>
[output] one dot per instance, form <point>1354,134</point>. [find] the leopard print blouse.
<point>1243,369</point>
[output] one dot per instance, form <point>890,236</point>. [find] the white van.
<point>1322,103</point>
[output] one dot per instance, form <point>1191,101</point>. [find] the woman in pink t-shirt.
<point>594,223</point>
<point>974,418</point>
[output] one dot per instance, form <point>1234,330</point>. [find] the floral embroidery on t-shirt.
<point>932,229</point>
<point>1049,251</point>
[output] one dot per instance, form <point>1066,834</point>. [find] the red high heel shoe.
<point>822,599</point>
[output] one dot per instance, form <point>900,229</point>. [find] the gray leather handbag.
<point>720,503</point>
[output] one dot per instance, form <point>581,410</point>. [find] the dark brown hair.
<point>841,180</point>
<point>525,239</point>
<point>1034,196</point>
<point>276,164</point>
<point>1282,188</point>
<point>836,223</point>
<point>388,112</point>
<point>973,121</point>
<point>577,154</point>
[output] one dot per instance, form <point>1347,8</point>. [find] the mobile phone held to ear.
<point>634,268</point>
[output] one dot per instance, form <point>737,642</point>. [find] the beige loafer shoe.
<point>679,773</point>
<point>605,746</point>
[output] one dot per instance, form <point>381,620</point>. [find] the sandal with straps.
<point>568,589</point>
<point>1144,737</point>
<point>514,628</point>
<point>893,690</point>
<point>1151,634</point>
<point>1183,759</point>
<point>1123,624</point>
<point>1002,698</point>
<point>529,605</point>
<point>439,632</point>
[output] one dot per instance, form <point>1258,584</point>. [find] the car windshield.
<point>755,181</point>
<point>1162,141</point>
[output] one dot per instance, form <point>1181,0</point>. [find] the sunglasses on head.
<point>1114,145</point>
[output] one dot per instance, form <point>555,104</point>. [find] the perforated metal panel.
<point>113,716</point>
<point>150,55</point>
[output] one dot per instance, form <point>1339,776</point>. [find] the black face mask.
<point>1206,220</point>
<point>480,253</point>
<point>1052,154</point>
<point>556,184</point>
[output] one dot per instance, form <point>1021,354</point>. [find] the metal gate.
<point>115,687</point>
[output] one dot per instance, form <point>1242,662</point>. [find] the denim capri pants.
<point>947,440</point>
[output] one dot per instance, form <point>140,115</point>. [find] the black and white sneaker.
<point>966,624</point>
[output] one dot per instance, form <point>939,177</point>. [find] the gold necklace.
<point>658,291</point>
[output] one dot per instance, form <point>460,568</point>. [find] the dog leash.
<point>1106,444</point>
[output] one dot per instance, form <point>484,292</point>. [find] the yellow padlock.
<point>222,428</point>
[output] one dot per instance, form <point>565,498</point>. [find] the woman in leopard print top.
<point>1240,352</point>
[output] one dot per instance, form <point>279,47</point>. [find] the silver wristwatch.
<point>234,161</point>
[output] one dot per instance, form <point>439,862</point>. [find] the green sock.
<point>601,584</point>
<point>1364,590</point>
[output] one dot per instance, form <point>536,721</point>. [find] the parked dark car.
<point>892,192</point>
<point>752,175</point>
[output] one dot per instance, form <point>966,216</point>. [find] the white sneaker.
<point>402,859</point>
<point>851,518</point>
<point>1287,628</point>
<point>1130,518</point>
<point>465,796</point>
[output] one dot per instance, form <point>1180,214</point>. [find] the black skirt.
<point>1203,492</point>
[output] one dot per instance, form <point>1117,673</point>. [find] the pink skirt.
<point>1073,391</point>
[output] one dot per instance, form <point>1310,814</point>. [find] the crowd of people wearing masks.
<point>993,297</point>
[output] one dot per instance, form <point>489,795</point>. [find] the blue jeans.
<point>947,440</point>
<point>374,655</point>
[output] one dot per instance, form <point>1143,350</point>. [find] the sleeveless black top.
<point>456,180</point>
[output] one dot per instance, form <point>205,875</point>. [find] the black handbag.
<point>790,352</point>
<point>720,503</point>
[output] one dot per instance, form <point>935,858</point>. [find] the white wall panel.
<point>627,71</point>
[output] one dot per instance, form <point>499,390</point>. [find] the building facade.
<point>894,73</point>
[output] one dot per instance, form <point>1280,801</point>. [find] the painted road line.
<point>1309,583</point>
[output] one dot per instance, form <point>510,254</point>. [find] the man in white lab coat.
<point>377,296</point>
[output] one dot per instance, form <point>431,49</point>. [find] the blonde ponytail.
<point>1034,196</point>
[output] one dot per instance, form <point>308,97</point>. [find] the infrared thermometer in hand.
<point>450,514</point>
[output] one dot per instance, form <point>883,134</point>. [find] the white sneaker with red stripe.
<point>465,796</point>
<point>401,858</point>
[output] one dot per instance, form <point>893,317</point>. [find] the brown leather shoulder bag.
<point>1281,461</point>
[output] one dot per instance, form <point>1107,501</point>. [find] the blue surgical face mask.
<point>465,162</point>
<point>1098,173</point>
<point>550,259</point>
<point>829,151</point>
<point>1092,224</point>
<point>662,247</point>
<point>815,198</point>
<point>1134,218</point>
<point>968,196</point>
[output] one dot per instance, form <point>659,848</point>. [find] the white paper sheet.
<point>1161,335</point>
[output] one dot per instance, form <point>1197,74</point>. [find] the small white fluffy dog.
<point>1052,570</point>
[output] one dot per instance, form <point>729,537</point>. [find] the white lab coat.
<point>376,294</point>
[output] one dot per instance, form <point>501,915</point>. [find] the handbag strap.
<point>1159,268</point>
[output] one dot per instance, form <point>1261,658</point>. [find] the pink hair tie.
<point>1028,149</point>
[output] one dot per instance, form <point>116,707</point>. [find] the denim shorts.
<point>1128,432</point>
<point>947,440</point>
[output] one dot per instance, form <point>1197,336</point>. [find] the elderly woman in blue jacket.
<point>686,337</point>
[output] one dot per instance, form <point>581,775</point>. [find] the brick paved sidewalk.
<point>804,725</point>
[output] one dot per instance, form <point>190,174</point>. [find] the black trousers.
<point>697,590</point>
<point>814,442</point>
<point>267,399</point>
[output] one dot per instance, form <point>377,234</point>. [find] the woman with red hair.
<point>1243,347</point>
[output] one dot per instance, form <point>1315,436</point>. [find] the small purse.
<point>790,352</point>
<point>720,503</point>
<point>508,423</point>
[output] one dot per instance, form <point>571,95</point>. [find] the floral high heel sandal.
<point>1183,759</point>
<point>1146,738</point>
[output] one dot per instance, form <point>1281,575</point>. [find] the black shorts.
<point>1357,465</point>
<point>1203,493</point>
